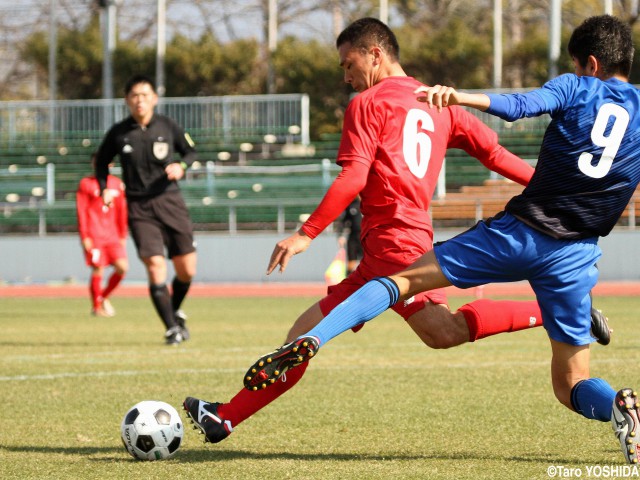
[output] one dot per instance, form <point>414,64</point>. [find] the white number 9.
<point>610,143</point>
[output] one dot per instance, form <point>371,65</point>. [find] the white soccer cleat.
<point>108,308</point>
<point>625,420</point>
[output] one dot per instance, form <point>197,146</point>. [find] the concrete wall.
<point>242,258</point>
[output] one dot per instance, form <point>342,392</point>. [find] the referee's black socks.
<point>179,289</point>
<point>161,299</point>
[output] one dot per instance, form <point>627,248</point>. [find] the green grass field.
<point>373,405</point>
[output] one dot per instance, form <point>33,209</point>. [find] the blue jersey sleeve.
<point>548,99</point>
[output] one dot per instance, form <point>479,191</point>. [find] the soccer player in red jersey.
<point>391,153</point>
<point>103,232</point>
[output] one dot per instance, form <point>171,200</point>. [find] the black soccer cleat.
<point>600,327</point>
<point>204,417</point>
<point>173,336</point>
<point>270,367</point>
<point>625,420</point>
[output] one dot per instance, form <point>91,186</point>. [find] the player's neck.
<point>143,121</point>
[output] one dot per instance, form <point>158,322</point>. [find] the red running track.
<point>285,289</point>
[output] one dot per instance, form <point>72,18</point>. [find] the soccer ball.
<point>152,430</point>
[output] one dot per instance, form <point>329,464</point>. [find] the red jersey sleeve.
<point>82,208</point>
<point>121,215</point>
<point>479,141</point>
<point>341,193</point>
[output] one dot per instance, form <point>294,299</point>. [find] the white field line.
<point>322,367</point>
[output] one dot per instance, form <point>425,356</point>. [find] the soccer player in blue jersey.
<point>587,171</point>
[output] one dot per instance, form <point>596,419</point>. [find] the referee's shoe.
<point>173,336</point>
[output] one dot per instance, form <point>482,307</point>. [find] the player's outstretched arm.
<point>440,96</point>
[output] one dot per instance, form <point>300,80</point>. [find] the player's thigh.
<point>563,290</point>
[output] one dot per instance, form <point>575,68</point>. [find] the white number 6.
<point>416,144</point>
<point>610,143</point>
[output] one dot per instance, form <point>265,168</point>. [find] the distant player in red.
<point>103,232</point>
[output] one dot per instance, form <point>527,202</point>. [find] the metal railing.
<point>226,117</point>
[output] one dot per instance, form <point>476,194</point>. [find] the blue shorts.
<point>561,272</point>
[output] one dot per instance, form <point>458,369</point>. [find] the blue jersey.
<point>589,162</point>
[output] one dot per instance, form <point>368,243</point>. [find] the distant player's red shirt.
<point>401,143</point>
<point>104,225</point>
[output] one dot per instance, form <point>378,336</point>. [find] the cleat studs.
<point>311,354</point>
<point>305,344</point>
<point>300,358</point>
<point>273,380</point>
<point>255,388</point>
<point>632,434</point>
<point>248,379</point>
<point>261,363</point>
<point>269,360</point>
<point>276,373</point>
<point>631,450</point>
<point>294,349</point>
<point>629,441</point>
<point>253,370</point>
<point>625,394</point>
<point>264,385</point>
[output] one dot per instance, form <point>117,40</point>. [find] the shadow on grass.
<point>204,455</point>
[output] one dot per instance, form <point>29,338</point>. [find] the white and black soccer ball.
<point>152,430</point>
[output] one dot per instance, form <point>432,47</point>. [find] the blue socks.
<point>593,398</point>
<point>369,301</point>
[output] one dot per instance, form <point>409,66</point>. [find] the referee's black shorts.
<point>159,222</point>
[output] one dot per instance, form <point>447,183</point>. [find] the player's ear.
<point>377,54</point>
<point>593,68</point>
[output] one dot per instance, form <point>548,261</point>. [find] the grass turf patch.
<point>376,405</point>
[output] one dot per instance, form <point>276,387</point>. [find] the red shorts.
<point>387,251</point>
<point>103,255</point>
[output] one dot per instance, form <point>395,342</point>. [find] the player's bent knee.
<point>438,328</point>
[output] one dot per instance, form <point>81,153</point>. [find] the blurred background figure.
<point>154,153</point>
<point>103,233</point>
<point>349,231</point>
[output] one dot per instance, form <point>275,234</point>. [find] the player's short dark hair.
<point>368,32</point>
<point>135,80</point>
<point>608,39</point>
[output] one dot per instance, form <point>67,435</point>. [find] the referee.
<point>147,145</point>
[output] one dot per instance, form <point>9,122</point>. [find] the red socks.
<point>490,317</point>
<point>95,288</point>
<point>114,281</point>
<point>246,403</point>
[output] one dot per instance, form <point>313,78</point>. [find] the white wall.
<point>242,258</point>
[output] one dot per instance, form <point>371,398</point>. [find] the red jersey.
<point>401,143</point>
<point>104,225</point>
